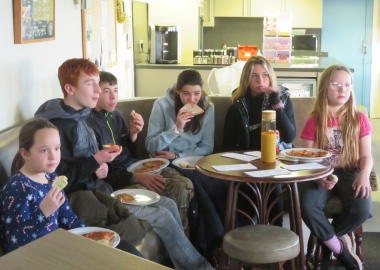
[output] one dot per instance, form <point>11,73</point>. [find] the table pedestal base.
<point>262,206</point>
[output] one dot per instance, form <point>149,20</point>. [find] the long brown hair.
<point>245,77</point>
<point>190,77</point>
<point>347,115</point>
<point>26,140</point>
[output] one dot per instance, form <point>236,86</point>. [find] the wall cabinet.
<point>206,11</point>
<point>306,13</point>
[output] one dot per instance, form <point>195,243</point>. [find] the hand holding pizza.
<point>325,183</point>
<point>53,200</point>
<point>136,123</point>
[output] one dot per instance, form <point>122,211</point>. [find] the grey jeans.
<point>313,199</point>
<point>166,222</point>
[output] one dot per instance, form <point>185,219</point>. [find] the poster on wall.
<point>33,20</point>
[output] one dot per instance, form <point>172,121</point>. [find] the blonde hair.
<point>245,77</point>
<point>347,115</point>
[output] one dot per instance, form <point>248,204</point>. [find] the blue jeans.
<point>166,222</point>
<point>313,199</point>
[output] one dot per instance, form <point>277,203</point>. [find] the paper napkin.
<point>307,166</point>
<point>234,167</point>
<point>239,156</point>
<point>254,153</point>
<point>266,173</point>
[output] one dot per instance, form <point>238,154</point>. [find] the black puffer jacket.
<point>78,144</point>
<point>238,127</point>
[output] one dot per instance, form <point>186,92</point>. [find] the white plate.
<point>142,196</point>
<point>138,165</point>
<point>191,160</point>
<point>285,153</point>
<point>82,230</point>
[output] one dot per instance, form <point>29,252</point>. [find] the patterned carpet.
<point>371,247</point>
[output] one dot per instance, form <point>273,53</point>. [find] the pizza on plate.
<point>102,237</point>
<point>126,198</point>
<point>186,165</point>
<point>308,153</point>
<point>149,166</point>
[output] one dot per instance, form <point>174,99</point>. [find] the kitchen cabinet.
<point>228,8</point>
<point>206,12</point>
<point>306,13</point>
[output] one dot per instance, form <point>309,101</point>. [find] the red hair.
<point>69,71</point>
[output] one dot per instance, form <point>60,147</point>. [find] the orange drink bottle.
<point>268,136</point>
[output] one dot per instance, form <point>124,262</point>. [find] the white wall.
<point>183,13</point>
<point>28,72</point>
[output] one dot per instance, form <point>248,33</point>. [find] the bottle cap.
<point>269,115</point>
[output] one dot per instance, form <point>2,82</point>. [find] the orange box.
<point>247,51</point>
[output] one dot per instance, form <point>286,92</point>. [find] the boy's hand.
<point>107,154</point>
<point>182,118</point>
<point>136,124</point>
<point>164,154</point>
<point>102,172</point>
<point>326,184</point>
<point>151,181</point>
<point>53,200</point>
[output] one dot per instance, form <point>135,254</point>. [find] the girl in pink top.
<point>337,126</point>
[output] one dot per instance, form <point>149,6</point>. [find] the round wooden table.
<point>262,187</point>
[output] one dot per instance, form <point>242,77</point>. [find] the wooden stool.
<point>260,244</point>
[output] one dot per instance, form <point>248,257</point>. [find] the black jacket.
<point>238,126</point>
<point>78,144</point>
<point>110,127</point>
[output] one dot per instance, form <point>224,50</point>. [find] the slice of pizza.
<point>101,237</point>
<point>60,182</point>
<point>153,163</point>
<point>110,145</point>
<point>186,165</point>
<point>126,198</point>
<point>193,108</point>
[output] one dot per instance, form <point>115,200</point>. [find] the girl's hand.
<point>268,90</point>
<point>164,154</point>
<point>362,186</point>
<point>326,184</point>
<point>53,200</point>
<point>182,118</point>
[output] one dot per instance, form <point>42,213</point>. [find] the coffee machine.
<point>164,44</point>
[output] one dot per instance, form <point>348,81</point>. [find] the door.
<point>375,75</point>
<point>346,36</point>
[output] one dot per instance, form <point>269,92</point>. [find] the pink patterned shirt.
<point>334,142</point>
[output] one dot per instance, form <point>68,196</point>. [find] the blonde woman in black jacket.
<point>258,91</point>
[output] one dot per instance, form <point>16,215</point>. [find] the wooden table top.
<point>64,250</point>
<point>204,165</point>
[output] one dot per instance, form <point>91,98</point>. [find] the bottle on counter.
<point>268,136</point>
<point>225,46</point>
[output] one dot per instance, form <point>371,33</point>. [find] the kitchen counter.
<point>322,64</point>
<point>152,80</point>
